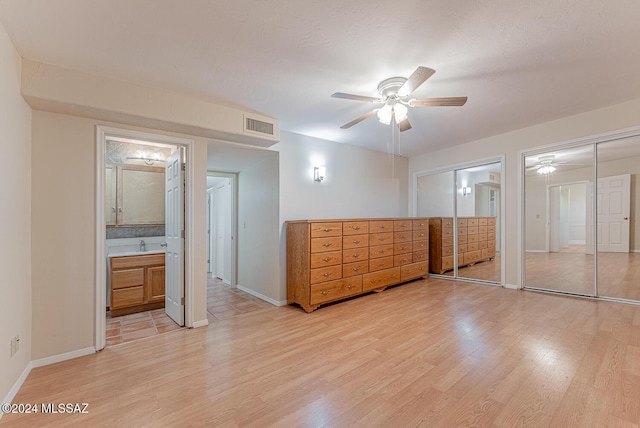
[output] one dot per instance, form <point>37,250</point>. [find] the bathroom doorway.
<point>142,254</point>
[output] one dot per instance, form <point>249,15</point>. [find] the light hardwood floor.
<point>431,353</point>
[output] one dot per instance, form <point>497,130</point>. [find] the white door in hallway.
<point>613,202</point>
<point>174,230</point>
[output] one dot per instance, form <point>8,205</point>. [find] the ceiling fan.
<point>394,93</point>
<point>546,164</point>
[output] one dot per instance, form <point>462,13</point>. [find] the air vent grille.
<point>259,126</point>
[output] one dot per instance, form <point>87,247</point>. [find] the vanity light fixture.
<point>319,173</point>
<point>146,160</point>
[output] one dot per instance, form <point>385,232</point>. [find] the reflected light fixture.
<point>546,169</point>
<point>319,173</point>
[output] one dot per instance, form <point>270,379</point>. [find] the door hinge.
<point>182,301</point>
<point>184,166</point>
<point>182,234</point>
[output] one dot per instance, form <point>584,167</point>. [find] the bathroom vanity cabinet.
<point>137,283</point>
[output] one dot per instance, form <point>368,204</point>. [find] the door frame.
<point>102,132</point>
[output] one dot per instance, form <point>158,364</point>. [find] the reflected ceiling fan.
<point>547,164</point>
<point>394,93</point>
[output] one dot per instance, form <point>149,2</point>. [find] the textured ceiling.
<point>519,62</point>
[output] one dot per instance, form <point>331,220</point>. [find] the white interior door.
<point>222,227</point>
<point>174,230</point>
<point>612,221</point>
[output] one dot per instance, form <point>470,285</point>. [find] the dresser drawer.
<point>472,222</point>
<point>462,222</point>
<point>354,255</point>
<point>399,225</point>
<point>447,251</point>
<point>320,230</point>
<point>355,241</point>
<point>447,222</point>
<point>403,247</point>
<point>472,230</point>
<point>333,290</point>
<point>473,246</point>
<point>447,231</point>
<point>419,235</point>
<point>381,238</point>
<point>326,259</point>
<point>482,237</point>
<point>422,224</point>
<point>488,253</point>
<point>472,239</point>
<point>482,221</point>
<point>463,248</point>
<point>420,245</point>
<point>402,236</point>
<point>355,227</point>
<point>414,270</point>
<point>447,263</point>
<point>357,268</point>
<point>325,274</point>
<point>380,251</point>
<point>491,244</point>
<point>402,259</point>
<point>462,239</point>
<point>482,229</point>
<point>483,244</point>
<point>462,231</point>
<point>380,226</point>
<point>380,263</point>
<point>491,221</point>
<point>472,256</point>
<point>491,229</point>
<point>420,256</point>
<point>319,245</point>
<point>447,242</point>
<point>491,236</point>
<point>383,278</point>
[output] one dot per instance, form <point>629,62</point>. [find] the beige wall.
<point>63,231</point>
<point>611,118</point>
<point>15,227</point>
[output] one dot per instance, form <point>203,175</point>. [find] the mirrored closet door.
<point>464,207</point>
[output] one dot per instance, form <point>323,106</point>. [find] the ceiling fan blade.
<point>434,102</point>
<point>359,119</point>
<point>404,125</point>
<point>416,79</point>
<point>356,97</point>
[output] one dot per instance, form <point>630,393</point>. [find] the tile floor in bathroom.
<point>222,302</point>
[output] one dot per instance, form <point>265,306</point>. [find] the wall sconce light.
<point>319,173</point>
<point>466,191</point>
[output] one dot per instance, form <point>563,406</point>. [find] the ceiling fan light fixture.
<point>546,169</point>
<point>400,112</point>
<point>385,114</point>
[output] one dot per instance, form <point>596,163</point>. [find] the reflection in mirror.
<point>478,209</point>
<point>435,200</point>
<point>559,240</point>
<point>617,213</point>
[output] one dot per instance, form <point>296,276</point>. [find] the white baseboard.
<point>511,286</point>
<point>262,296</point>
<point>201,323</point>
<point>535,251</point>
<point>635,251</point>
<point>63,357</point>
<point>16,386</point>
<point>577,242</point>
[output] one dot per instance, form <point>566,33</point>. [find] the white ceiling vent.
<point>263,126</point>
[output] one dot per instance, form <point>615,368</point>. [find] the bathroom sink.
<point>120,252</point>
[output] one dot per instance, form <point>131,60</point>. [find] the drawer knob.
<point>403,225</point>
<point>324,292</point>
<point>350,286</point>
<point>381,227</point>
<point>326,259</point>
<point>403,248</point>
<point>327,245</point>
<point>356,227</point>
<point>355,256</point>
<point>381,264</point>
<point>356,269</point>
<point>403,261</point>
<point>326,229</point>
<point>393,276</point>
<point>373,281</point>
<point>381,239</point>
<point>326,274</point>
<point>381,251</point>
<point>356,241</point>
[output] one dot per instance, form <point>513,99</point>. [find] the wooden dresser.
<point>476,241</point>
<point>328,260</point>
